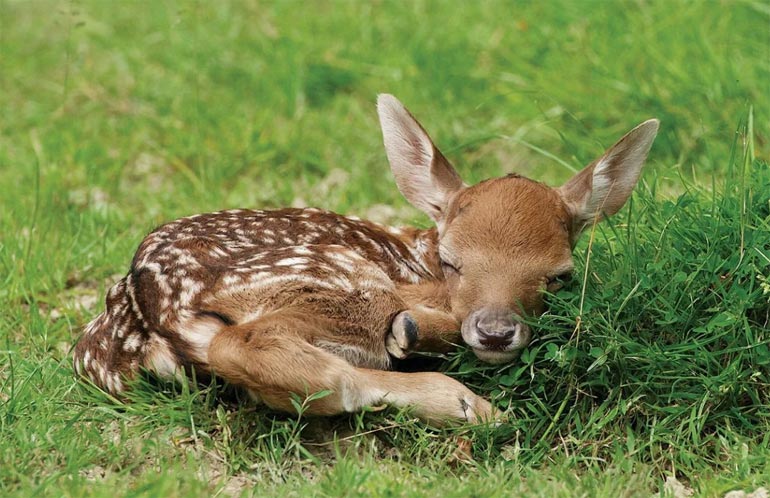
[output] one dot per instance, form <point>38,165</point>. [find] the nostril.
<point>497,336</point>
<point>511,331</point>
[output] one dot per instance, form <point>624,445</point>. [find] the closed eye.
<point>448,268</point>
<point>449,264</point>
<point>556,282</point>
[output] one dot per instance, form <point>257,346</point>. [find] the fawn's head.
<point>505,240</point>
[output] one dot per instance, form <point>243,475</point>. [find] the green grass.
<point>654,362</point>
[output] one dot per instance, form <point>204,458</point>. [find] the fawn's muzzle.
<point>496,335</point>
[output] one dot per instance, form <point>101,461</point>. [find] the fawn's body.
<point>302,301</point>
<point>240,276</point>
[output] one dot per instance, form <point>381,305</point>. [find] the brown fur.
<point>300,301</point>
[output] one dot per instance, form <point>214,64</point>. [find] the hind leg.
<point>270,357</point>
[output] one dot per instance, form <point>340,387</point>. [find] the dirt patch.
<point>757,493</point>
<point>673,487</point>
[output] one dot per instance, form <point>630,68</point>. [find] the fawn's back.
<point>193,276</point>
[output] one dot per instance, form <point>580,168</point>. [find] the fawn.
<point>298,301</point>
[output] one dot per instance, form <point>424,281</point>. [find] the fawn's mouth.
<point>496,357</point>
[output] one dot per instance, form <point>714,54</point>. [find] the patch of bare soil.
<point>757,493</point>
<point>673,487</point>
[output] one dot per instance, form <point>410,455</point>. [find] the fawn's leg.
<point>271,357</point>
<point>426,325</point>
<point>422,329</point>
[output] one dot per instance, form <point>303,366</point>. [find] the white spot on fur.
<point>343,264</point>
<point>257,276</point>
<point>92,325</point>
<point>199,333</point>
<point>186,259</point>
<point>132,343</point>
<point>272,280</point>
<point>108,384</point>
<point>217,253</point>
<point>131,296</point>
<point>292,262</point>
<point>116,383</point>
<point>160,279</point>
<point>341,282</point>
<point>100,372</point>
<point>231,279</point>
<point>160,359</point>
<point>253,315</point>
<point>119,331</point>
<point>114,291</point>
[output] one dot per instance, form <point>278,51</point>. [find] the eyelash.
<point>449,267</point>
<point>558,281</point>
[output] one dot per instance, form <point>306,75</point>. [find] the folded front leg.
<point>422,330</point>
<point>271,357</point>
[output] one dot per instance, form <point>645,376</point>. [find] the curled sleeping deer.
<point>299,301</point>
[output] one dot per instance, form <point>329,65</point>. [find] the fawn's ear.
<point>423,174</point>
<point>601,189</point>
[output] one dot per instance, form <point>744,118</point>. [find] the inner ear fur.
<point>422,173</point>
<point>604,186</point>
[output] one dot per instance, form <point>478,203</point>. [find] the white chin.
<point>496,357</point>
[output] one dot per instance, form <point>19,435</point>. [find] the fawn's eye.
<point>556,282</point>
<point>449,264</point>
<point>448,268</point>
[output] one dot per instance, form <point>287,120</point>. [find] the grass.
<point>655,362</point>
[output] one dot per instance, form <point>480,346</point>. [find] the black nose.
<point>497,332</point>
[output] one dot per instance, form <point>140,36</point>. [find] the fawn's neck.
<point>430,290</point>
<point>423,246</point>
